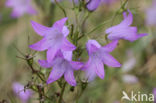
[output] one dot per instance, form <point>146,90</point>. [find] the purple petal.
<point>67,55</point>
<point>65,31</point>
<point>69,77</point>
<point>99,68</point>
<point>57,71</point>
<point>41,45</point>
<point>44,64</point>
<point>76,65</point>
<point>90,72</point>
<point>51,53</point>
<point>127,19</point>
<point>92,46</point>
<point>67,46</point>
<point>110,60</point>
<point>111,46</point>
<point>93,4</point>
<point>40,29</point>
<point>128,33</point>
<point>60,24</point>
<point>141,35</point>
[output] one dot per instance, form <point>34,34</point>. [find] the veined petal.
<point>128,33</point>
<point>69,77</point>
<point>127,19</point>
<point>65,31</point>
<point>40,29</point>
<point>41,45</point>
<point>111,46</point>
<point>51,53</point>
<point>67,46</point>
<point>76,65</point>
<point>99,68</point>
<point>141,35</point>
<point>92,46</point>
<point>90,73</point>
<point>110,60</point>
<point>67,55</point>
<point>44,64</point>
<point>56,73</point>
<point>60,24</point>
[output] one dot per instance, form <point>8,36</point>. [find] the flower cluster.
<point>60,50</point>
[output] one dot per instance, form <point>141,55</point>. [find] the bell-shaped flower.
<point>23,94</point>
<point>20,7</point>
<point>54,38</point>
<point>93,4</point>
<point>98,56</point>
<point>124,30</point>
<point>62,65</point>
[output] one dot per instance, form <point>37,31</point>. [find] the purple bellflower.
<point>54,38</point>
<point>20,7</point>
<point>62,65</point>
<point>124,30</point>
<point>97,57</point>
<point>24,95</point>
<point>93,4</point>
<point>151,14</point>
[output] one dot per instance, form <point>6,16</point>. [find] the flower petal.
<point>128,33</point>
<point>92,46</point>
<point>67,46</point>
<point>44,64</point>
<point>67,55</point>
<point>99,68</point>
<point>76,65</point>
<point>110,60</point>
<point>69,77</point>
<point>65,31</point>
<point>111,46</point>
<point>141,35</point>
<point>51,53</point>
<point>127,19</point>
<point>60,24</point>
<point>56,73</point>
<point>40,29</point>
<point>90,73</point>
<point>41,45</point>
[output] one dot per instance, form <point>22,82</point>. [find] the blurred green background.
<point>140,55</point>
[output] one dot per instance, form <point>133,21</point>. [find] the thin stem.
<point>61,9</point>
<point>62,92</point>
<point>97,27</point>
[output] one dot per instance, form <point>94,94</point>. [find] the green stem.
<point>62,92</point>
<point>61,9</point>
<point>97,27</point>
